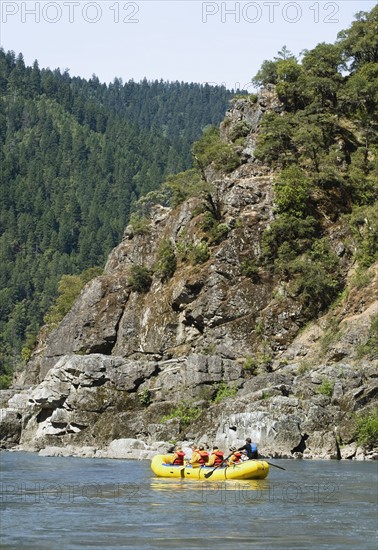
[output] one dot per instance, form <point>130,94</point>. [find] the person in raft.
<point>250,449</point>
<point>216,457</point>
<point>200,457</point>
<point>195,455</point>
<point>178,457</point>
<point>235,458</point>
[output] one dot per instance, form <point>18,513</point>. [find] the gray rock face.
<point>89,402</point>
<point>89,327</point>
<point>122,361</point>
<point>244,116</point>
<point>87,399</point>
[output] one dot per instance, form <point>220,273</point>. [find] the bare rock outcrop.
<point>90,402</point>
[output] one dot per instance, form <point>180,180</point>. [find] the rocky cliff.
<point>214,353</point>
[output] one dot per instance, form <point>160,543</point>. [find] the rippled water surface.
<point>73,503</point>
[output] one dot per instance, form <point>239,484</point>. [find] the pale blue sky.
<point>192,41</point>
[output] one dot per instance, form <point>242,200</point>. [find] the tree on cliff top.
<point>324,148</point>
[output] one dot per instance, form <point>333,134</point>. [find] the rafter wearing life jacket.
<point>200,457</point>
<point>204,456</point>
<point>178,457</point>
<point>235,458</point>
<point>216,457</point>
<point>250,449</point>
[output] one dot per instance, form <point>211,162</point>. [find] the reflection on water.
<point>166,484</point>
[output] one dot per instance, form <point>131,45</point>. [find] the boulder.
<point>126,448</point>
<point>10,427</point>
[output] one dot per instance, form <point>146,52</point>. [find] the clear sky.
<point>190,41</point>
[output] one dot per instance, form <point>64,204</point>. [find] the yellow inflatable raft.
<point>249,469</point>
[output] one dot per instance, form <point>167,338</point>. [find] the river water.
<point>74,503</point>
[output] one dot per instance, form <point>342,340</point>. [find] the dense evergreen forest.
<point>76,155</point>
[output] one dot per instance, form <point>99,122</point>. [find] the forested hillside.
<point>75,156</point>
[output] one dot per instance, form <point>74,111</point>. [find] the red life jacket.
<point>218,457</point>
<point>204,457</point>
<point>179,460</point>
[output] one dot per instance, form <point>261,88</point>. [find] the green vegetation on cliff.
<point>367,428</point>
<point>324,147</point>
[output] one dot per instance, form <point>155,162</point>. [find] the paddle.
<point>209,474</point>
<point>279,467</point>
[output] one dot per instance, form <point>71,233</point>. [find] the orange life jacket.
<point>179,460</point>
<point>204,457</point>
<point>236,457</point>
<point>219,455</point>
